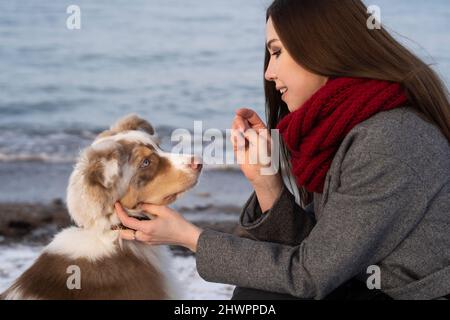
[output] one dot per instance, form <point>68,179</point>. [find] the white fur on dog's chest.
<point>76,243</point>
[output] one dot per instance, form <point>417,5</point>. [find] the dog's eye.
<point>145,163</point>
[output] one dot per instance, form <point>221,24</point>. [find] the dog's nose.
<point>195,164</point>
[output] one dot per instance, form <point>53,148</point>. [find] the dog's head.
<point>125,163</point>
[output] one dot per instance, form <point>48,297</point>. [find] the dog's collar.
<point>118,227</point>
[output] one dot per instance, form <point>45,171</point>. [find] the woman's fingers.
<point>251,117</point>
<point>129,234</point>
<point>259,150</point>
<point>238,140</point>
<point>141,236</point>
<point>152,209</point>
<point>169,227</point>
<point>126,220</point>
<point>245,119</point>
<point>239,123</point>
<point>253,145</point>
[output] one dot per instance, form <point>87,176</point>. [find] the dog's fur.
<point>124,163</point>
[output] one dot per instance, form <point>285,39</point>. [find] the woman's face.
<point>295,83</point>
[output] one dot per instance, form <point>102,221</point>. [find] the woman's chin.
<point>294,106</point>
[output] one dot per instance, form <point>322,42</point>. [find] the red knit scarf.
<point>314,132</point>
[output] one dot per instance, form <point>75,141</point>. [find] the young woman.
<point>365,191</point>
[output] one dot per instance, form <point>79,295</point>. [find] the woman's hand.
<point>166,227</point>
<point>248,152</point>
<point>249,133</point>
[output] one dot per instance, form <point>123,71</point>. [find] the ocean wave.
<point>70,159</point>
<point>54,145</point>
<point>24,157</point>
<point>15,108</point>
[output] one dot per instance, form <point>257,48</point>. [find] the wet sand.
<point>36,224</point>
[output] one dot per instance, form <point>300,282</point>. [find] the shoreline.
<point>36,223</point>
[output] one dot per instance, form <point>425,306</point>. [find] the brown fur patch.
<point>130,122</point>
<point>157,166</point>
<point>122,276</point>
<point>94,173</point>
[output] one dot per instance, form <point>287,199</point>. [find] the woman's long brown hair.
<point>331,38</point>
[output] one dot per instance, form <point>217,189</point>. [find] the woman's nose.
<point>269,74</point>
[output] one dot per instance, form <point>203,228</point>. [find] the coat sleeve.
<point>379,201</point>
<point>285,223</point>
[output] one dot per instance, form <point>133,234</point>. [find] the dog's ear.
<point>130,122</point>
<point>103,165</point>
<point>133,122</point>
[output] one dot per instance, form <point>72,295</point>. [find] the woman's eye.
<point>145,163</point>
<point>277,53</point>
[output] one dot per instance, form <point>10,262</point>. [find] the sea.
<point>172,62</point>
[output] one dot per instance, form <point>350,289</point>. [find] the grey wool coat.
<point>386,202</point>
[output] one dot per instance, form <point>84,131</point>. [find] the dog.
<point>126,164</point>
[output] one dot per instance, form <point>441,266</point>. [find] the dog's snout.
<point>195,164</point>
